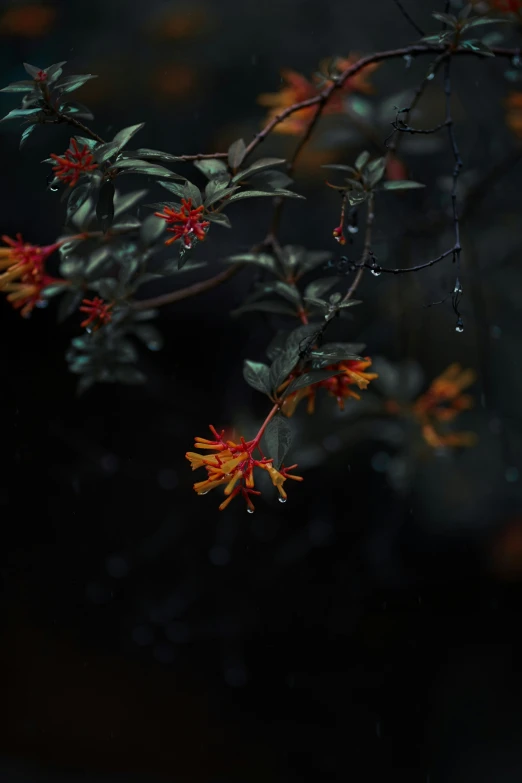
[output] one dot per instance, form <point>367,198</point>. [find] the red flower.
<point>232,465</point>
<point>98,312</point>
<point>74,163</point>
<point>25,277</point>
<point>186,223</point>
<point>338,386</point>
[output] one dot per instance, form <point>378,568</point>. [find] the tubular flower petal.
<point>186,223</point>
<point>232,466</point>
<point>73,163</point>
<point>351,373</point>
<point>440,404</point>
<point>25,276</point>
<point>98,312</point>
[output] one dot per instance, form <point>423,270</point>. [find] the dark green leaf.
<point>174,187</point>
<point>18,113</point>
<point>375,171</point>
<point>254,193</point>
<point>220,218</point>
<point>149,335</point>
<point>97,261</point>
<point>135,166</point>
<point>309,378</point>
<point>362,160</point>
<point>448,19</point>
<point>339,167</point>
<point>70,83</point>
<point>402,185</point>
<point>216,190</point>
<point>236,153</point>
<point>106,288</point>
<point>32,70</point>
<point>278,438</point>
<point>25,135</point>
<point>151,230</point>
<point>126,134</point>
<point>282,366</point>
<point>261,259</point>
<point>76,109</point>
<point>23,86</point>
<point>103,152</point>
<point>54,71</point>
<point>259,165</point>
<point>480,20</point>
<point>193,193</point>
<point>52,290</point>
<point>313,259</point>
<point>475,45</point>
<point>266,307</point>
<point>321,286</point>
<point>356,197</point>
<point>123,203</point>
<point>270,178</point>
<point>321,304</point>
<point>213,169</point>
<point>257,375</point>
<point>147,154</point>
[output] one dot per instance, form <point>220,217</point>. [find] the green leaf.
<point>135,166</point>
<point>402,185</point>
<point>151,230</point>
<point>309,379</point>
<point>261,259</point>
<point>313,259</point>
<point>339,167</point>
<point>236,153</point>
<point>105,205</point>
<point>32,70</point>
<point>97,261</point>
<point>54,71</point>
<point>356,197</point>
<point>18,113</point>
<point>123,203</point>
<point>474,45</point>
<point>270,178</point>
<point>278,438</point>
<point>321,286</point>
<point>321,304</point>
<point>375,171</point>
<point>52,290</point>
<point>106,288</point>
<point>282,366</point>
<point>73,82</point>
<point>149,335</point>
<point>126,134</point>
<point>287,291</point>
<point>193,193</point>
<point>259,165</point>
<point>23,86</point>
<point>76,109</point>
<point>147,154</point>
<point>25,135</point>
<point>362,160</point>
<point>266,307</point>
<point>448,19</point>
<point>216,190</point>
<point>254,193</point>
<point>480,20</point>
<point>83,216</point>
<point>220,218</point>
<point>174,187</point>
<point>103,152</point>
<point>331,353</point>
<point>213,169</point>
<point>257,375</point>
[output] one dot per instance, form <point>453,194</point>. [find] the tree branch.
<point>408,18</point>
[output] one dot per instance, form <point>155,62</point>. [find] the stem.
<point>408,17</point>
<point>191,290</point>
<point>270,416</point>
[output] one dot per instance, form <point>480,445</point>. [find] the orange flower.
<point>28,21</point>
<point>514,113</point>
<point>73,163</point>
<point>338,386</point>
<point>25,277</point>
<point>232,466</point>
<point>298,88</point>
<point>98,312</point>
<point>441,403</point>
<point>186,223</point>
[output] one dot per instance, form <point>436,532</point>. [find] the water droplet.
<point>516,61</point>
<point>430,76</point>
<point>460,326</point>
<point>54,190</point>
<point>458,288</point>
<point>282,500</point>
<point>204,493</point>
<point>376,271</point>
<point>408,59</point>
<point>353,229</point>
<point>250,510</point>
<point>153,345</point>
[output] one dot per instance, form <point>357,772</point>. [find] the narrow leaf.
<point>278,438</point>
<point>236,153</point>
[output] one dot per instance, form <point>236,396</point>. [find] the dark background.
<point>366,630</point>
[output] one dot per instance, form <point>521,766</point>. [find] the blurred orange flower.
<point>514,113</point>
<point>27,21</point>
<point>298,88</point>
<point>174,81</point>
<point>179,24</point>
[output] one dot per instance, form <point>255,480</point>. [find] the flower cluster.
<point>232,466</point>
<point>74,162</point>
<point>350,373</point>
<point>186,223</point>
<point>25,276</point>
<point>98,313</point>
<point>442,403</point>
<point>298,88</point>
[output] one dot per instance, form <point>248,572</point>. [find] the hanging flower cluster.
<point>25,276</point>
<point>350,373</point>
<point>186,223</point>
<point>440,404</point>
<point>73,163</point>
<point>98,313</point>
<point>232,466</point>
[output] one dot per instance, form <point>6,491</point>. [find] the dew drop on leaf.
<point>376,271</point>
<point>282,500</point>
<point>250,510</point>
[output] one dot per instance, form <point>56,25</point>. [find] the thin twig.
<point>370,216</point>
<point>188,291</point>
<point>409,18</point>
